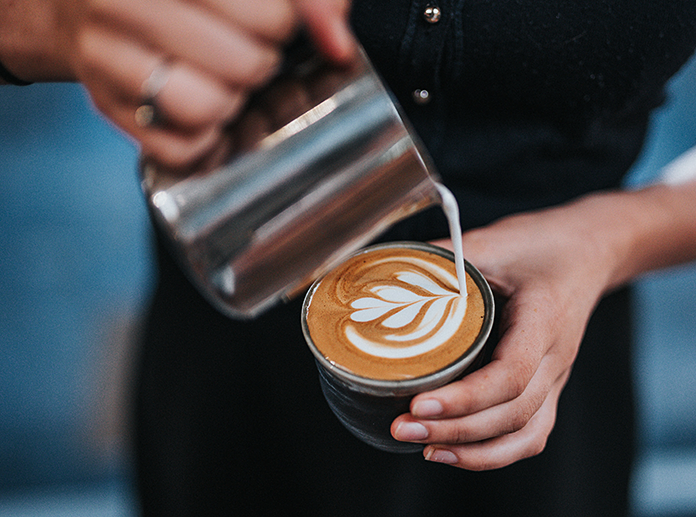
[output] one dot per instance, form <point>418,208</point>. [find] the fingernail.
<point>427,408</point>
<point>441,456</point>
<point>410,431</point>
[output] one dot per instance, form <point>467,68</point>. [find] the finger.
<point>195,35</point>
<point>327,22</point>
<point>515,360</point>
<point>503,450</point>
<point>277,22</point>
<point>478,251</point>
<point>167,145</point>
<point>187,98</point>
<point>496,421</point>
<point>114,93</point>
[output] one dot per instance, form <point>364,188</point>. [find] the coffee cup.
<point>389,323</point>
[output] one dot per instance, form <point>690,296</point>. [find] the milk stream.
<point>451,209</point>
<point>417,314</point>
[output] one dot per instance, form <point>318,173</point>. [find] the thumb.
<point>477,249</point>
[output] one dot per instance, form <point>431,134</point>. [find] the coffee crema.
<point>394,313</point>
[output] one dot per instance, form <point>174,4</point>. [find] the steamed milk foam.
<point>397,312</point>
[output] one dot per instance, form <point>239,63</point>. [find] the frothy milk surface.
<point>394,313</point>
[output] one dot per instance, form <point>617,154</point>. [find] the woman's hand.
<point>201,58</point>
<point>551,267</point>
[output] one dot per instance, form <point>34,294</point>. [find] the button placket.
<point>432,14</point>
<point>428,26</point>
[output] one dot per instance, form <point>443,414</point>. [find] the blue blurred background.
<point>76,273</point>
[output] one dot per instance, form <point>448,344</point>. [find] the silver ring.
<point>149,113</point>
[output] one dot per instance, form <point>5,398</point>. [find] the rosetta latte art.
<point>394,312</point>
<point>416,312</point>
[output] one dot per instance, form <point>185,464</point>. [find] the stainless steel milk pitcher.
<point>320,163</point>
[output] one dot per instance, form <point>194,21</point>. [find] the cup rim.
<point>386,387</point>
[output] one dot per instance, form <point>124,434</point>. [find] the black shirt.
<point>530,103</point>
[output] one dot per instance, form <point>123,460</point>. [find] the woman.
<point>533,113</point>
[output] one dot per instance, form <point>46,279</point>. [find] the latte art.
<point>394,313</point>
<point>422,313</point>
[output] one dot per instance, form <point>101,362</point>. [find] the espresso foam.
<point>394,313</point>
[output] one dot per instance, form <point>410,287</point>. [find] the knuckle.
<point>536,446</point>
<point>517,381</point>
<point>522,416</point>
<point>461,435</point>
<point>519,373</point>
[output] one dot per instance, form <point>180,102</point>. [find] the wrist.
<point>639,231</point>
